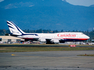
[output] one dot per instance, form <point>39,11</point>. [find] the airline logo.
<point>66,35</point>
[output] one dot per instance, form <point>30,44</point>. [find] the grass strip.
<point>86,55</point>
<point>36,49</point>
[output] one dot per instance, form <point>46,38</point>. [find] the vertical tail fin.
<point>14,29</point>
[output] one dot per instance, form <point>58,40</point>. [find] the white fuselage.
<point>56,36</point>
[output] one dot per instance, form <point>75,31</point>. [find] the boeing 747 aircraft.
<point>49,38</point>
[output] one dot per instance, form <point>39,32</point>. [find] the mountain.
<point>46,14</point>
<point>92,5</point>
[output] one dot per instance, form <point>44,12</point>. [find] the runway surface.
<point>48,60</point>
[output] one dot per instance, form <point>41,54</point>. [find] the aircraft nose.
<point>87,37</point>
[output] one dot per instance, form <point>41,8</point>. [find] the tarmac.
<point>47,60</point>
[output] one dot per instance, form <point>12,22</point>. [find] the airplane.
<point>48,38</point>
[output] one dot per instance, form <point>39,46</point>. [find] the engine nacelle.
<point>55,40</point>
<point>42,39</point>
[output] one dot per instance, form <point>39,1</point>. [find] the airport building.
<point>8,39</point>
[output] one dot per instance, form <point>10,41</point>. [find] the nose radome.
<point>87,37</point>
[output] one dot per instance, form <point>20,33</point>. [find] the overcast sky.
<point>81,2</point>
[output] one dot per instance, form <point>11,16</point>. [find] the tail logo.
<point>14,29</point>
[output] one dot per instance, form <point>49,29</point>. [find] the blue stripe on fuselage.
<point>72,40</point>
<point>31,34</point>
